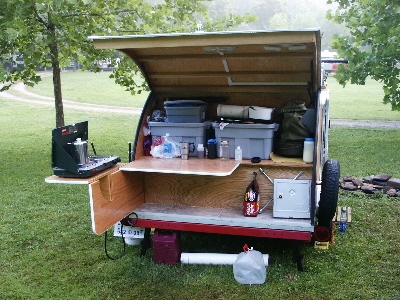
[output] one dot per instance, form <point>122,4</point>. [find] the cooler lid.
<point>220,61</point>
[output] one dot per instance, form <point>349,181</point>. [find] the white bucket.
<point>132,241</point>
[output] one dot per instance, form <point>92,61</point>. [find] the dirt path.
<point>365,123</point>
<point>29,97</point>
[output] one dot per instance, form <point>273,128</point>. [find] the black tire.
<point>329,192</point>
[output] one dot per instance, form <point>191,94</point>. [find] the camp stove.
<point>70,154</point>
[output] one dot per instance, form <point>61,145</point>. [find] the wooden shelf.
<point>87,180</point>
<point>194,166</point>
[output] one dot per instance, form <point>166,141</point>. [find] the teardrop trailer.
<point>261,69</point>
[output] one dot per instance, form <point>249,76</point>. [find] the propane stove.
<point>70,154</point>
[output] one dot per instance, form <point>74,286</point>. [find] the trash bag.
<point>249,267</point>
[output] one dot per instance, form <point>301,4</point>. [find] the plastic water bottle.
<point>238,154</point>
<point>308,151</point>
<point>168,151</point>
<point>343,221</point>
<point>200,151</point>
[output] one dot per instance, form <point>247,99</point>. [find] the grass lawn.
<point>359,102</point>
<point>49,252</point>
<point>89,87</point>
<point>351,102</point>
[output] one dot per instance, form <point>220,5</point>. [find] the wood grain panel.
<point>114,197</point>
<point>211,191</point>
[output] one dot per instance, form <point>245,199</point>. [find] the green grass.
<point>351,102</point>
<point>359,102</point>
<point>48,251</point>
<point>89,87</point>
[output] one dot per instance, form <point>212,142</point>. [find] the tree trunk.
<point>55,63</point>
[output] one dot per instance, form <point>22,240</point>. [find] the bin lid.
<point>216,61</point>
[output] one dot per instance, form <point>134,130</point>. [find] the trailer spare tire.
<point>329,192</point>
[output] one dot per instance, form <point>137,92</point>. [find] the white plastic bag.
<point>157,148</point>
<point>249,268</point>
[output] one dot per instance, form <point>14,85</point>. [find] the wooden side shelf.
<point>87,180</point>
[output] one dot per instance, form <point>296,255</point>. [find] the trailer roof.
<point>220,60</point>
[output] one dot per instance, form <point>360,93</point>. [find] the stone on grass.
<point>391,192</point>
<point>348,185</point>
<point>394,183</point>
<point>368,189</point>
<point>382,177</point>
<point>357,182</point>
<point>348,178</point>
<point>367,179</point>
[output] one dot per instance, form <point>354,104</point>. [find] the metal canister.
<point>81,151</point>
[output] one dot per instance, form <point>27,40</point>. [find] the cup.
<point>185,150</point>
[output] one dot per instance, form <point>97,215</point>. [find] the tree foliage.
<point>52,33</point>
<point>372,44</point>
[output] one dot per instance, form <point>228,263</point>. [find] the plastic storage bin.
<point>178,132</point>
<point>185,111</point>
<point>255,140</point>
<point>166,247</point>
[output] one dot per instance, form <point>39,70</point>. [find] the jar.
<point>308,151</point>
<point>224,150</point>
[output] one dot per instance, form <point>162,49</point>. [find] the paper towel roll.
<point>233,111</point>
<point>213,258</point>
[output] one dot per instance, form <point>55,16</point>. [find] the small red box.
<point>166,247</point>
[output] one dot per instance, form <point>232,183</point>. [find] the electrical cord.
<point>127,219</point>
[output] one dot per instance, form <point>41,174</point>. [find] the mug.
<point>186,149</point>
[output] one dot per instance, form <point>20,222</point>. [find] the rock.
<point>348,185</point>
<point>357,182</point>
<point>391,192</point>
<point>394,183</point>
<point>368,189</point>
<point>367,179</point>
<point>348,178</point>
<point>377,182</point>
<point>386,188</point>
<point>382,177</point>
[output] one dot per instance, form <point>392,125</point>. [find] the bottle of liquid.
<point>308,152</point>
<point>343,221</point>
<point>168,151</point>
<point>238,154</point>
<point>212,148</point>
<point>200,151</point>
<point>224,150</point>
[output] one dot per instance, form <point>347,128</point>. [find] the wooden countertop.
<point>194,166</point>
<point>213,167</point>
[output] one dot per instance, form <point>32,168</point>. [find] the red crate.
<point>166,247</point>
